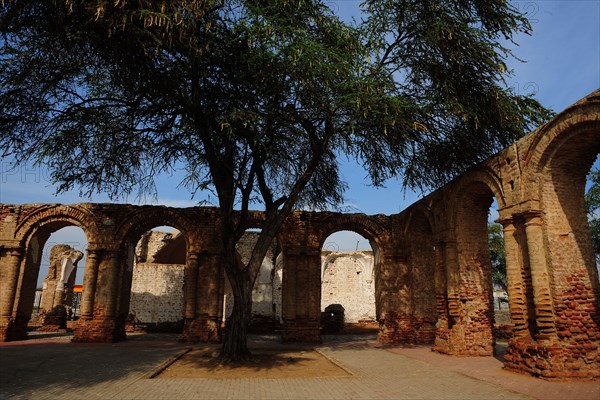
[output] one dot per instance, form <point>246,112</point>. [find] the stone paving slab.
<point>490,369</point>
<point>55,368</point>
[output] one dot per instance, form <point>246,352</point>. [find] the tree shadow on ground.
<point>53,365</point>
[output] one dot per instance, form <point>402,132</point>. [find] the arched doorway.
<point>467,319</point>
<point>347,284</point>
<point>158,266</point>
<point>60,280</point>
<point>60,269</point>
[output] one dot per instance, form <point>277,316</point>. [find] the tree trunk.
<point>235,341</point>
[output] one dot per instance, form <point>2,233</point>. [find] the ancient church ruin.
<point>158,277</point>
<point>431,264</point>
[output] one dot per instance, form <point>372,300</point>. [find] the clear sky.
<point>562,65</point>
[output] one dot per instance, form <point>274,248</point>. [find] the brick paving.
<point>52,367</point>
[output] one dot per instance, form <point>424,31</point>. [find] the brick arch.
<point>469,282</point>
<point>372,228</point>
<point>54,217</point>
<point>561,159</point>
<point>482,178</point>
<point>418,210</point>
<point>548,139</point>
<point>469,207</point>
<point>127,234</point>
<point>36,226</point>
<point>140,221</point>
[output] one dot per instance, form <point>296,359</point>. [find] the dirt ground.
<point>266,363</point>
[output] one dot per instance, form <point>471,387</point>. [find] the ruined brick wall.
<point>347,279</point>
<point>151,243</point>
<point>157,294</point>
<point>51,280</point>
<point>538,183</point>
<point>156,288</point>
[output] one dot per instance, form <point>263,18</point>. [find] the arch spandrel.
<point>583,115</point>
<point>418,211</point>
<point>374,228</point>
<point>464,186</point>
<point>144,218</point>
<point>59,216</point>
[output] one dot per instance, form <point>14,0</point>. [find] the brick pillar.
<point>203,289</point>
<point>112,269</point>
<point>452,280</point>
<point>441,303</point>
<point>10,265</point>
<point>103,326</point>
<point>469,330</point>
<point>90,279</point>
<point>517,296</point>
<point>396,319</point>
<point>564,342</point>
<point>301,296</point>
<point>190,285</point>
<point>448,290</point>
<point>540,280</point>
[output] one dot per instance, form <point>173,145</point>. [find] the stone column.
<point>90,279</point>
<point>517,297</point>
<point>8,288</point>
<point>540,279</point>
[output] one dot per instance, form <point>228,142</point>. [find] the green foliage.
<point>256,100</point>
<point>452,61</point>
<point>592,204</point>
<point>264,81</point>
<point>497,255</point>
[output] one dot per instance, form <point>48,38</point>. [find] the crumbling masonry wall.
<point>348,280</point>
<point>156,288</point>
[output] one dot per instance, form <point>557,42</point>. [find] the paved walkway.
<point>52,367</point>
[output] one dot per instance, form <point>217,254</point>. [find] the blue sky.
<point>562,65</point>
